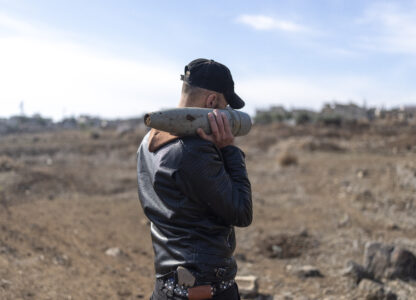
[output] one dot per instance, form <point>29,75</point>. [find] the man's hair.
<point>193,92</point>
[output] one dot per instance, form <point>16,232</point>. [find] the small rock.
<point>6,164</point>
<point>371,290</point>
<point>5,284</point>
<point>113,252</point>
<point>308,271</point>
<point>264,297</point>
<point>303,232</point>
<point>356,272</point>
<point>345,221</point>
<point>247,285</point>
<point>284,296</point>
<point>389,261</point>
<point>29,294</point>
<point>403,264</point>
<point>404,290</point>
<point>393,226</point>
<point>124,293</point>
<point>361,173</point>
<point>95,135</point>
<point>377,258</point>
<point>276,251</point>
<point>240,256</point>
<point>62,260</point>
<point>365,196</point>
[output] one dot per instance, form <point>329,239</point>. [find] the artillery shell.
<point>185,121</point>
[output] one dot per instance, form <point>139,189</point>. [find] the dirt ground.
<point>320,193</point>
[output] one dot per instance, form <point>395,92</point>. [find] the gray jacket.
<point>194,194</point>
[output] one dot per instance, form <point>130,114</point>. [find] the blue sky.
<point>123,58</point>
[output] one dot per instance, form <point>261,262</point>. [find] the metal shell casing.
<point>185,121</point>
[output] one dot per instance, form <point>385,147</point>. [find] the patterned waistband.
<point>172,287</point>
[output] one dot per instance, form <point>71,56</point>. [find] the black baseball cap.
<point>211,75</point>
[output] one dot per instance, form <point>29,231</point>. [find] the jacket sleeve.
<point>218,179</point>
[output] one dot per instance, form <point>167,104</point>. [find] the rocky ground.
<point>71,226</point>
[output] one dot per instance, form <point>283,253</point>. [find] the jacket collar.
<point>158,138</point>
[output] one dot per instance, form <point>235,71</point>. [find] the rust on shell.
<point>190,118</point>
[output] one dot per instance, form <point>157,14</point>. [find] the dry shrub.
<point>288,159</point>
<point>284,246</point>
<point>7,164</point>
<point>317,145</point>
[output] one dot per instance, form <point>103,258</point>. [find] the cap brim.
<point>236,102</point>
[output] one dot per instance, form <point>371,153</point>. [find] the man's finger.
<point>220,123</point>
<point>203,135</point>
<point>213,124</point>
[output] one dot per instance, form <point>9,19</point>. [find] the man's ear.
<point>211,101</point>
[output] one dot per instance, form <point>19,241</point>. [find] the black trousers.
<point>229,294</point>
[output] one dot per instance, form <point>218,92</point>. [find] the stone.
<point>308,271</point>
<point>95,135</point>
<point>403,264</point>
<point>371,290</point>
<point>361,173</point>
<point>276,251</point>
<point>392,226</point>
<point>388,261</point>
<point>284,296</point>
<point>113,252</point>
<point>356,272</point>
<point>124,293</point>
<point>247,285</point>
<point>6,164</point>
<point>62,260</point>
<point>377,258</point>
<point>404,290</point>
<point>5,284</point>
<point>345,221</point>
<point>364,197</point>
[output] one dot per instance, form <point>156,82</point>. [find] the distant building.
<point>302,116</point>
<point>346,111</point>
<point>273,114</point>
<point>409,112</point>
<point>3,126</point>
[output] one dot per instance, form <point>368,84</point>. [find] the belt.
<point>196,292</point>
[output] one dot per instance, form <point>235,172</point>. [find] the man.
<point>194,190</point>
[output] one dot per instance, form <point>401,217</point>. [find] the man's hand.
<point>221,131</point>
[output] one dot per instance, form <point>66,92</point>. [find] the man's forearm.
<point>236,168</point>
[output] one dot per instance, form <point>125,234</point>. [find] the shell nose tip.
<point>147,119</point>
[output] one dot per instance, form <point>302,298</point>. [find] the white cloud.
<point>261,22</point>
<point>52,75</point>
<point>9,23</point>
<point>394,28</point>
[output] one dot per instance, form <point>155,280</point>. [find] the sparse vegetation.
<point>288,159</point>
<point>66,198</point>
